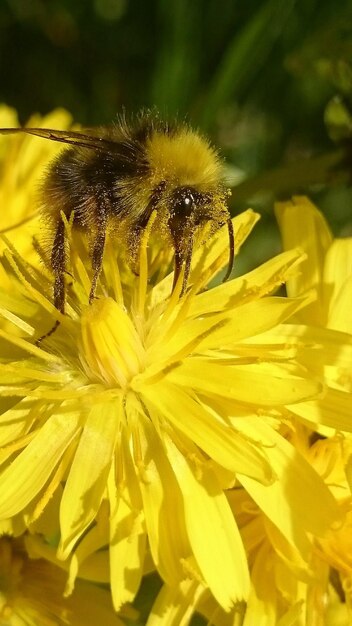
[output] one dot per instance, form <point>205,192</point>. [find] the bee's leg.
<point>98,250</point>
<point>178,259</point>
<point>182,258</point>
<point>135,239</point>
<point>58,265</point>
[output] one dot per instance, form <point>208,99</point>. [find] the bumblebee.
<point>113,179</point>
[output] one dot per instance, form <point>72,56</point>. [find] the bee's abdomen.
<point>80,181</point>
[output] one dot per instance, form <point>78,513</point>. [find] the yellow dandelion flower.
<point>31,592</point>
<point>143,407</point>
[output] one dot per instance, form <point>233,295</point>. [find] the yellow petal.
<point>93,605</point>
<point>335,347</point>
<point>301,224</point>
<point>216,616</point>
<point>175,606</point>
<point>298,502</point>
<point>245,321</point>
<point>14,527</point>
<point>39,600</point>
<point>127,532</point>
<point>263,384</point>
<point>212,531</point>
<point>163,508</point>
<point>340,313</point>
<point>324,351</point>
<point>333,410</point>
<point>262,604</point>
<point>88,473</point>
<point>255,284</point>
<point>224,329</point>
<point>111,346</point>
<point>8,119</point>
<point>337,269</point>
<point>17,421</point>
<point>212,435</point>
<point>205,266</point>
<point>293,615</point>
<point>21,481</point>
<point>89,559</point>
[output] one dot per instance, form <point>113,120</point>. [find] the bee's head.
<point>196,215</point>
<point>188,193</point>
<point>190,209</point>
<point>187,175</point>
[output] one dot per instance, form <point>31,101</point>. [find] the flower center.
<point>111,349</point>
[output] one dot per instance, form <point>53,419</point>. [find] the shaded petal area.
<point>175,606</point>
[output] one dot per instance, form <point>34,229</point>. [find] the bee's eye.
<point>188,201</point>
<point>184,201</point>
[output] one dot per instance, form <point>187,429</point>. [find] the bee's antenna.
<point>50,332</point>
<point>231,249</point>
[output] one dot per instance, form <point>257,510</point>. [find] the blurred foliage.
<point>270,81</point>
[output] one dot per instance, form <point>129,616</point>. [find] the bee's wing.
<point>66,136</point>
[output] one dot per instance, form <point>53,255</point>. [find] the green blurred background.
<point>269,80</point>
